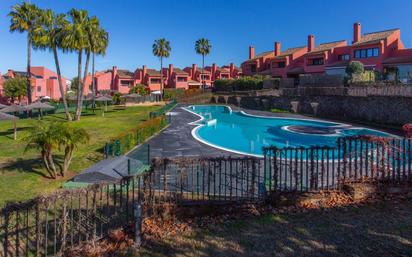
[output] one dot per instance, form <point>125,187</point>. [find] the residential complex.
<point>381,51</point>
<point>120,80</point>
<point>44,82</point>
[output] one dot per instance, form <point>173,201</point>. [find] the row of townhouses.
<point>381,51</point>
<point>45,84</point>
<point>120,80</point>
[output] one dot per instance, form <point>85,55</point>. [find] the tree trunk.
<point>79,82</point>
<point>80,104</point>
<point>68,154</point>
<point>161,77</point>
<point>51,163</point>
<point>93,83</point>
<point>46,164</point>
<point>202,76</point>
<point>29,67</point>
<point>61,88</point>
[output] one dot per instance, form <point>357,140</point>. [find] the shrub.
<point>354,67</point>
<point>116,98</point>
<point>139,89</point>
<point>138,135</point>
<point>172,93</point>
<point>241,84</point>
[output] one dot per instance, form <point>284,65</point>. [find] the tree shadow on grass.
<point>9,133</point>
<point>383,229</point>
<point>34,166</point>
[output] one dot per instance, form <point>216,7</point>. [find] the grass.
<point>22,175</point>
<point>383,229</point>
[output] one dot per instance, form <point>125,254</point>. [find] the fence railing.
<point>324,168</point>
<point>189,180</point>
<point>48,225</point>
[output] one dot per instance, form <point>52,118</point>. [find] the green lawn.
<point>22,175</point>
<point>383,229</point>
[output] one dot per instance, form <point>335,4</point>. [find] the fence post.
<point>138,225</point>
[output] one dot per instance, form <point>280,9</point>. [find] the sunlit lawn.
<point>22,175</point>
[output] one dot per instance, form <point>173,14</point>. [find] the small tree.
<point>138,89</point>
<point>70,138</point>
<point>49,137</point>
<point>15,88</point>
<point>354,67</point>
<point>44,137</point>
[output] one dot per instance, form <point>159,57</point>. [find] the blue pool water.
<point>247,134</point>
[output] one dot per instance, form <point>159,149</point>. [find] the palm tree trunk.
<point>79,82</point>
<point>86,68</point>
<point>93,85</point>
<point>51,163</point>
<point>59,77</point>
<point>29,67</point>
<point>202,76</point>
<point>68,155</point>
<point>161,77</point>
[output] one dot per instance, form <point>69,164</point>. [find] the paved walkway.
<point>177,140</point>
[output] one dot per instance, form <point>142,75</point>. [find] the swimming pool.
<point>243,133</point>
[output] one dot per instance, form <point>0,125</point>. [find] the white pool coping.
<point>199,125</point>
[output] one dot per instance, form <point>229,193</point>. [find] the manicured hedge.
<point>241,84</point>
<point>135,136</point>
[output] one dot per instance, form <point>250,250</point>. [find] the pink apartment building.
<point>382,51</point>
<point>43,81</point>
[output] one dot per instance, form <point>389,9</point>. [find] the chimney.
<point>311,43</point>
<point>251,52</point>
<point>114,75</point>
<point>144,71</point>
<point>170,72</point>
<point>214,68</point>
<point>356,32</point>
<point>194,71</point>
<point>277,48</point>
<point>232,69</point>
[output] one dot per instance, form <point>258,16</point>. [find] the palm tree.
<point>48,35</point>
<point>24,19</point>
<point>203,47</point>
<point>71,138</point>
<point>75,39</point>
<point>161,48</point>
<point>99,40</point>
<point>44,137</point>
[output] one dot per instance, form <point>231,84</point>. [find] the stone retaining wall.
<point>394,110</point>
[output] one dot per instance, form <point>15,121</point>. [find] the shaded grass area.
<point>383,229</point>
<point>21,173</point>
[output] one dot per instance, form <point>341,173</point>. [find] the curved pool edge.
<point>199,125</point>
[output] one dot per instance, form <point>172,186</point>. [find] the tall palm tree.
<point>48,35</point>
<point>161,48</point>
<point>99,40</point>
<point>23,18</point>
<point>203,47</point>
<point>76,39</point>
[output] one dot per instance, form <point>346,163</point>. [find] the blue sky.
<point>230,25</point>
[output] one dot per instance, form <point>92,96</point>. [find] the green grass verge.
<point>21,174</point>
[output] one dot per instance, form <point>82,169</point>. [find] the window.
<point>155,81</point>
<point>253,67</point>
<point>344,57</point>
<point>181,79</point>
<point>38,88</point>
<point>280,64</point>
<point>316,61</point>
<point>366,53</point>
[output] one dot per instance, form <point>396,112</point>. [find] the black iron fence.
<point>46,226</point>
<point>49,225</point>
<point>324,168</point>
